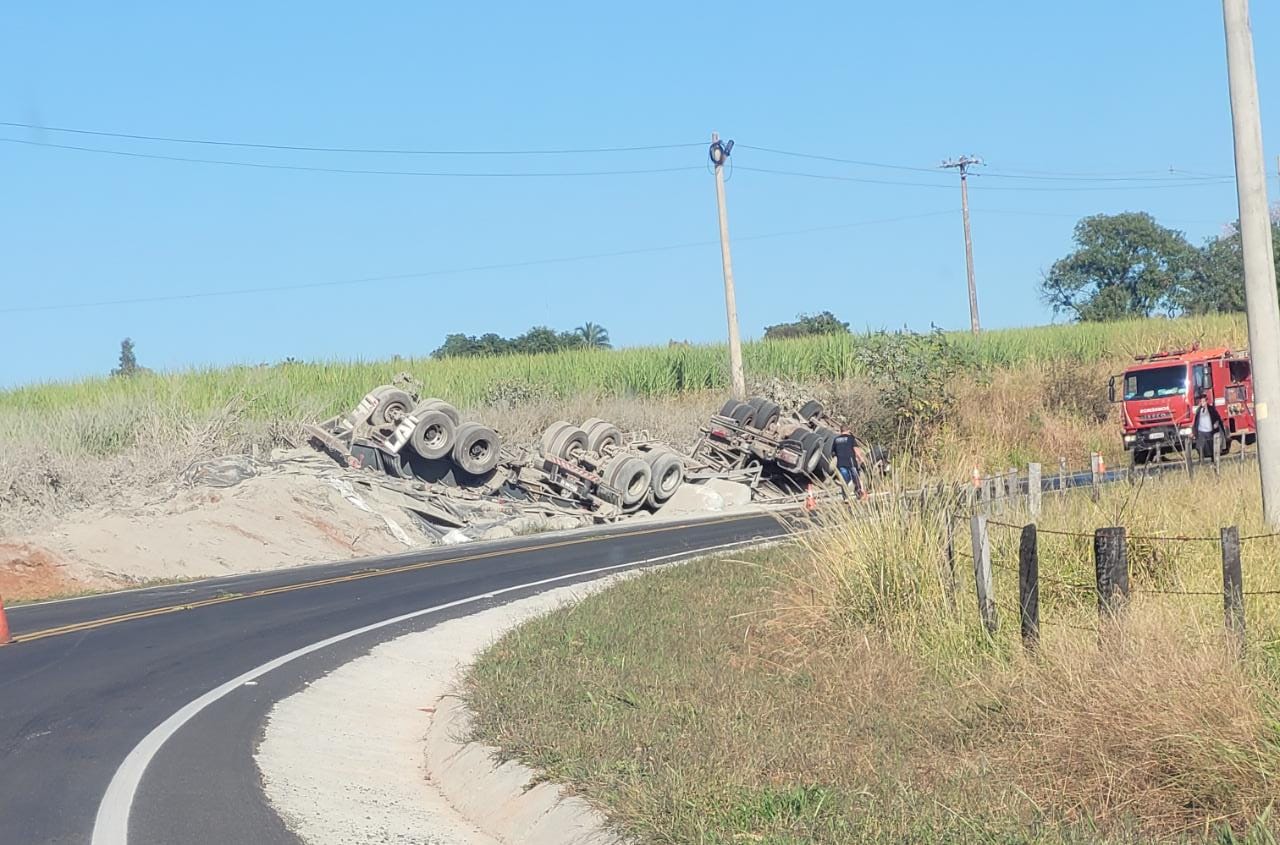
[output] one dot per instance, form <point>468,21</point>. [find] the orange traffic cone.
<point>5,639</point>
<point>810,503</point>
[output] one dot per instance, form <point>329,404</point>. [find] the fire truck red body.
<point>1158,396</point>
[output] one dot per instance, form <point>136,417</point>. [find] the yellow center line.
<point>92,624</point>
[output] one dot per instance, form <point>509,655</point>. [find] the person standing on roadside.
<point>1206,424</point>
<point>846,460</point>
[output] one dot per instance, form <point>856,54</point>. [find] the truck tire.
<point>562,440</point>
<point>603,434</point>
<point>766,413</point>
<point>743,414</point>
<point>393,405</point>
<point>630,476</point>
<point>828,440</point>
<point>476,448</point>
<point>810,409</point>
<point>443,407</point>
<point>811,457</point>
<point>434,435</point>
<point>667,473</point>
<point>727,409</point>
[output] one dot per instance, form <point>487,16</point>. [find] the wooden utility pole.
<point>1255,243</point>
<point>963,164</point>
<point>719,153</point>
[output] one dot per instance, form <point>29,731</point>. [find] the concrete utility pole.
<point>719,153</point>
<point>1255,242</point>
<point>963,164</point>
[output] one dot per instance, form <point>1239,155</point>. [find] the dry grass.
<point>839,690</point>
<point>1029,394</point>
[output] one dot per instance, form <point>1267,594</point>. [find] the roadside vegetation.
<point>953,400</point>
<point>840,689</point>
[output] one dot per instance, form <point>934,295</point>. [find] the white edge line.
<point>111,825</point>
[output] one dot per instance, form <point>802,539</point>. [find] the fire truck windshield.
<point>1151,384</point>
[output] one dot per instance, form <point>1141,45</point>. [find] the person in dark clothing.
<point>1205,425</point>
<point>846,460</point>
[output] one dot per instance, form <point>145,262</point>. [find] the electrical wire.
<point>996,174</point>
<point>347,170</point>
<point>360,150</point>
<point>837,178</point>
<point>176,297</point>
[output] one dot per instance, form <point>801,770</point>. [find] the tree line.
<point>536,340</point>
<point>1128,265</point>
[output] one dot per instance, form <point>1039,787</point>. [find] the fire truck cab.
<point>1158,396</point>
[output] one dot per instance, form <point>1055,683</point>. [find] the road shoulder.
<point>343,760</point>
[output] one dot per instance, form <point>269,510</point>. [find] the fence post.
<point>1186,455</point>
<point>949,516</point>
<point>982,572</point>
<point>1111,567</point>
<point>1034,488</point>
<point>1217,454</point>
<point>1233,584</point>
<point>997,493</point>
<point>1011,484</point>
<point>1062,473</point>
<point>1029,587</point>
<point>1095,468</point>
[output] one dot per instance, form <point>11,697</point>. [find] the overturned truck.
<point>594,469</point>
<point>779,453</point>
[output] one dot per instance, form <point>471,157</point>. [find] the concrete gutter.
<point>501,799</point>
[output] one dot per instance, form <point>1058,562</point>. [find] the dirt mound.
<point>31,572</point>
<point>268,522</point>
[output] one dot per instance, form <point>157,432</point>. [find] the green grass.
<point>835,691</point>
<point>316,389</point>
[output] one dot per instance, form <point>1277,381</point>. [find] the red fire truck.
<point>1158,396</point>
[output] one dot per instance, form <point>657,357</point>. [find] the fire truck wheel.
<point>766,413</point>
<point>727,409</point>
<point>1140,457</point>
<point>630,476</point>
<point>476,448</point>
<point>434,435</point>
<point>393,405</point>
<point>603,434</point>
<point>810,409</point>
<point>590,423</point>
<point>667,471</point>
<point>743,414</point>
<point>443,407</point>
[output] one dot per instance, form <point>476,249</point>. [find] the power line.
<point>361,150</point>
<point>1047,175</point>
<point>776,151</point>
<point>177,297</point>
<point>1199,182</point>
<point>345,170</point>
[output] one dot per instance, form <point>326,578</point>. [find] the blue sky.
<point>1121,89</point>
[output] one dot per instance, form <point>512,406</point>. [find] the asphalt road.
<point>90,678</point>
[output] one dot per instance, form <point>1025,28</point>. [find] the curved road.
<point>132,717</point>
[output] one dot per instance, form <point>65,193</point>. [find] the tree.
<point>805,325</point>
<point>1218,285</point>
<point>593,336</point>
<point>1125,265</point>
<point>128,362</point>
